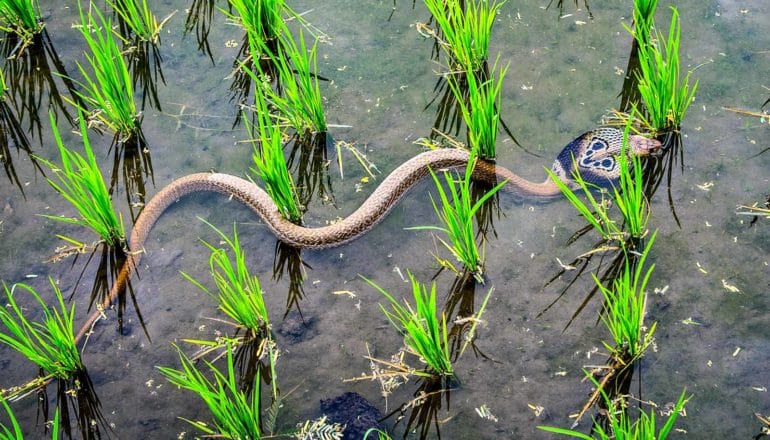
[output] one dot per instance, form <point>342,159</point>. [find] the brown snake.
<point>594,154</point>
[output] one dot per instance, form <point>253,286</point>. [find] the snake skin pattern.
<point>595,154</point>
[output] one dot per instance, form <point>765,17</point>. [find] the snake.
<point>594,155</point>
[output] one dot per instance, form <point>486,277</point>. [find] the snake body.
<point>593,154</point>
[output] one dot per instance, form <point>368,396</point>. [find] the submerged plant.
<point>22,18</point>
<point>466,30</point>
<point>238,292</point>
<point>138,17</point>
<point>482,110</point>
<point>270,165</point>
<point>80,182</point>
<point>236,414</point>
<point>665,94</point>
<point>50,344</point>
<point>108,87</point>
<point>456,214</point>
<point>423,332</point>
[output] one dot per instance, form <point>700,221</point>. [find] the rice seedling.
<point>466,31</point>
<point>482,110</point>
<point>137,16</point>
<point>262,21</point>
<point>238,293</point>
<point>80,182</point>
<point>625,304</point>
<point>49,344</point>
<point>621,427</point>
<point>270,165</point>
<point>14,432</point>
<point>644,17</point>
<point>236,414</point>
<point>299,100</point>
<point>665,94</point>
<point>108,87</point>
<point>21,18</point>
<point>456,215</point>
<point>423,333</point>
<point>300,86</point>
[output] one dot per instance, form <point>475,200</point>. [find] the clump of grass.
<point>238,293</point>
<point>424,333</point>
<point>625,304</point>
<point>665,94</point>
<point>108,87</point>
<point>621,427</point>
<point>482,110</point>
<point>466,31</point>
<point>236,414</point>
<point>81,183</point>
<point>138,17</point>
<point>456,214</point>
<point>644,16</point>
<point>262,21</point>
<point>50,344</point>
<point>270,165</point>
<point>22,18</point>
<point>299,100</point>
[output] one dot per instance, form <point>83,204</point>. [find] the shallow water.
<point>564,75</point>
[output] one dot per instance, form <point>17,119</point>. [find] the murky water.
<point>564,75</point>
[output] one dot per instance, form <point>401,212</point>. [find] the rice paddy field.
<point>709,293</point>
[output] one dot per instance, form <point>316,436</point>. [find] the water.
<point>564,75</point>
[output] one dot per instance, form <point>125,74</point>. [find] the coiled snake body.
<point>594,154</point>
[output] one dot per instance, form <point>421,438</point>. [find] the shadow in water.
<point>145,65</point>
<point>31,77</point>
<point>287,260</point>
<point>132,163</point>
<point>629,93</point>
<point>308,161</point>
<point>200,15</point>
<point>610,262</point>
<point>422,412</point>
<point>460,310</point>
<point>11,134</point>
<point>661,167</point>
<point>560,7</point>
<point>111,260</point>
<point>251,359</point>
<point>76,399</point>
<point>488,211</point>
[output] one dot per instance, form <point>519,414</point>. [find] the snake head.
<point>642,146</point>
<point>595,156</point>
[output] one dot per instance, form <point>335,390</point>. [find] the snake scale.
<point>594,154</point>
